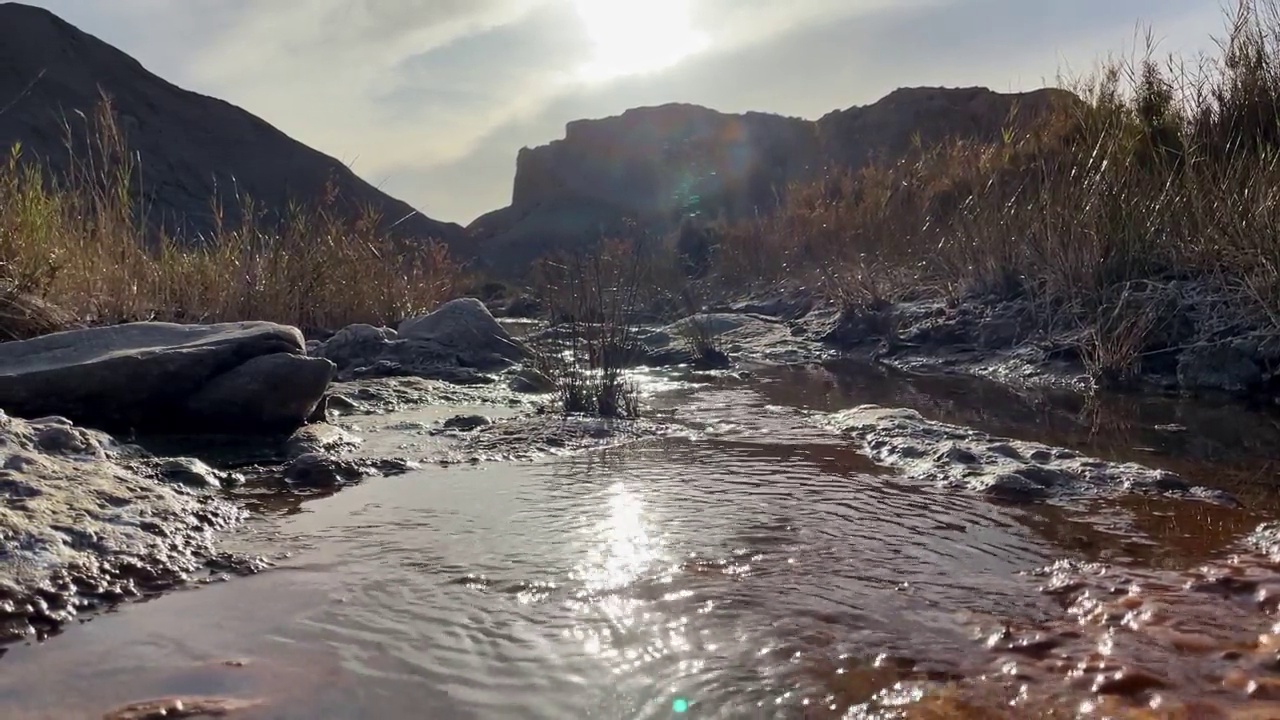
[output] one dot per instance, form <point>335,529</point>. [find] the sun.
<point>634,37</point>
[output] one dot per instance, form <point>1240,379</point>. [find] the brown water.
<point>760,568</point>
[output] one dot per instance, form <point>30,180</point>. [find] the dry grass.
<point>597,294</point>
<point>1165,175</point>
<point>81,244</point>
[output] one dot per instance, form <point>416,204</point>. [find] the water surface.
<point>757,567</point>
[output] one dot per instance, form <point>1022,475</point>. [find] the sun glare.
<point>633,37</point>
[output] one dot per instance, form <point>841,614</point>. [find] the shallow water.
<point>759,568</point>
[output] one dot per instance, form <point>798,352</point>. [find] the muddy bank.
<point>1163,338</point>
<point>88,522</point>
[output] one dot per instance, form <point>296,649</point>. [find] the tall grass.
<point>598,294</point>
<point>81,243</point>
<point>1155,188</point>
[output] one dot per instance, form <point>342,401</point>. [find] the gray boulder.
<point>319,470</point>
<point>466,328</point>
<point>319,438</point>
<point>269,391</point>
<point>1228,367</point>
<point>454,344</point>
<point>353,345</point>
<point>249,377</point>
<point>194,474</point>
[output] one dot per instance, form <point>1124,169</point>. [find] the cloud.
<point>393,81</point>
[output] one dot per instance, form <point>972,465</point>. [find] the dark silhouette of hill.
<point>190,149</point>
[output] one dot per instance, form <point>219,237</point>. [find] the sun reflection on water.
<point>624,549</point>
<point>627,548</point>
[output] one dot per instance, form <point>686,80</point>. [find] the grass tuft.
<point>596,295</point>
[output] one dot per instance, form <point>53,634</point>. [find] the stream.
<point>755,565</point>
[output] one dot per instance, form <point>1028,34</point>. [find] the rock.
<point>196,475</point>
<point>530,380</point>
<point>466,423</point>
<point>165,378</point>
<point>466,328</point>
<point>320,438</point>
<point>427,371</point>
<point>182,707</point>
<point>707,341</point>
<point>269,392</point>
<point>791,306</point>
<point>355,344</point>
<point>341,405</point>
<point>855,326</point>
<point>522,307</point>
<point>538,435</point>
<point>669,357</point>
<point>320,413</point>
<point>80,527</point>
<point>1012,470</point>
<point>457,343</point>
<point>319,470</point>
<point>1230,367</point>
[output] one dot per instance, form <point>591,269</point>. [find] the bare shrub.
<point>597,295</point>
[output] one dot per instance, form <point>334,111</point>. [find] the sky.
<point>431,99</point>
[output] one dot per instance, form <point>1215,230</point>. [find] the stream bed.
<point>753,565</point>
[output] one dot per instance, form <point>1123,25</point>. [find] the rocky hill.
<point>190,148</point>
<point>646,168</point>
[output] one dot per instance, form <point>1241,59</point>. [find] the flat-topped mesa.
<point>648,168</point>
<point>190,149</point>
<point>656,161</point>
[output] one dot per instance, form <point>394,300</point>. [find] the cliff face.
<point>649,167</point>
<point>669,159</point>
<point>190,149</point>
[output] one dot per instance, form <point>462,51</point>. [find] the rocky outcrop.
<point>230,378</point>
<point>80,525</point>
<point>455,342</point>
<point>890,127</point>
<point>648,168</point>
<point>1001,468</point>
<point>192,149</point>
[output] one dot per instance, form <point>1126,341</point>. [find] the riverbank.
<point>454,387</point>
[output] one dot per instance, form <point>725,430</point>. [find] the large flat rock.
<point>165,377</point>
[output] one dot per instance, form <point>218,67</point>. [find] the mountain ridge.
<point>192,150</point>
